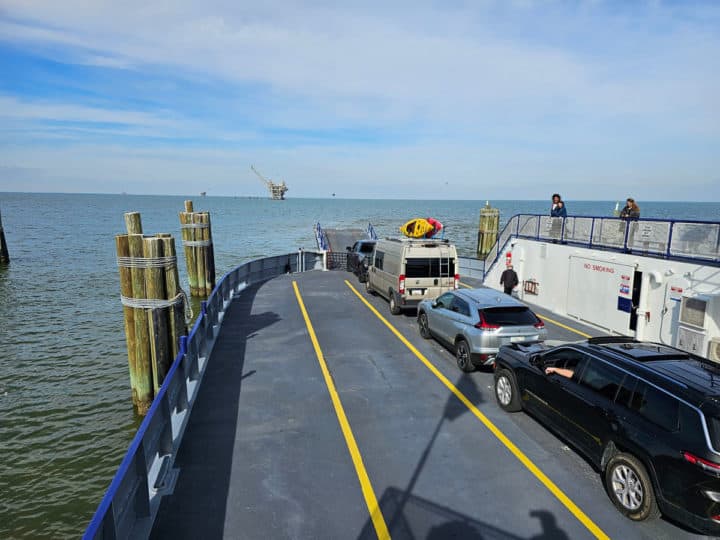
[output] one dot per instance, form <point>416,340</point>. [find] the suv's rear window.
<point>509,316</point>
<point>367,248</point>
<point>422,267</point>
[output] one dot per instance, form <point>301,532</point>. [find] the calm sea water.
<point>66,417</point>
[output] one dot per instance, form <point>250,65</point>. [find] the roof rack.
<point>407,240</point>
<point>602,340</point>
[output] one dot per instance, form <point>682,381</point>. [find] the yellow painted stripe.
<point>561,325</point>
<point>367,489</point>
<point>534,469</point>
<point>466,286</point>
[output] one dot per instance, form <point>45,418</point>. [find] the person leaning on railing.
<point>631,210</point>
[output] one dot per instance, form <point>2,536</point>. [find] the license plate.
<point>419,292</point>
<point>515,339</point>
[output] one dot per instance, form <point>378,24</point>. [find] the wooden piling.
<point>487,229</point>
<point>4,254</point>
<point>200,259</point>
<point>122,246</point>
<point>208,252</point>
<point>133,223</point>
<point>188,235</point>
<point>200,255</point>
<point>172,288</point>
<point>158,331</point>
<point>142,343</point>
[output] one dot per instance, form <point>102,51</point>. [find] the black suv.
<point>357,258</point>
<point>647,415</point>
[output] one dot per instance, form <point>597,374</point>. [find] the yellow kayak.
<point>416,228</point>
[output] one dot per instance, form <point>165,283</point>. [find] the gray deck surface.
<point>264,456</point>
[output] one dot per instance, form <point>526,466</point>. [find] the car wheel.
<point>423,326</point>
<point>394,308</point>
<point>462,355</point>
<point>369,288</point>
<point>507,393</point>
<point>630,489</point>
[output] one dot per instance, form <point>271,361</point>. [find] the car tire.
<point>630,488</point>
<point>463,356</point>
<point>507,392</point>
<point>423,326</point>
<point>394,308</point>
<point>369,288</point>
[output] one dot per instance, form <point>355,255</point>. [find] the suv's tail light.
<point>456,283</point>
<point>484,325</point>
<point>401,284</point>
<point>704,464</point>
<point>539,324</point>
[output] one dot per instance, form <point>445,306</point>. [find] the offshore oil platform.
<point>277,190</point>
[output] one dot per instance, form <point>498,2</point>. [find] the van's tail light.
<point>456,283</point>
<point>484,325</point>
<point>539,324</point>
<point>704,464</point>
<point>401,284</point>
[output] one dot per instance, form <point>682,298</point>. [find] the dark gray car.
<point>357,258</point>
<point>475,323</point>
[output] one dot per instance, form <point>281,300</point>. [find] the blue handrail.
<point>683,240</point>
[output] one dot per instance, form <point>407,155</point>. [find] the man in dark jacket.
<point>509,279</point>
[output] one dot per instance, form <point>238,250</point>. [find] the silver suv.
<point>476,322</point>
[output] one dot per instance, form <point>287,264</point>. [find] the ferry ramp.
<point>340,239</point>
<point>322,416</point>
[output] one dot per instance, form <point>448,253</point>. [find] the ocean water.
<point>66,417</point>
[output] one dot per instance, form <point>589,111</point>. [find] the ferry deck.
<point>321,415</point>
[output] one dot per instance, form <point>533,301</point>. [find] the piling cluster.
<point>487,229</point>
<point>4,255</point>
<point>153,307</point>
<point>199,253</point>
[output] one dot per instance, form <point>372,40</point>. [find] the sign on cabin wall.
<point>601,292</point>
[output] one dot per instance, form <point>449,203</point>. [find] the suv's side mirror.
<point>434,303</point>
<point>536,360</point>
<point>348,248</point>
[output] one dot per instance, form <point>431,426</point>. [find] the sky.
<point>505,99</point>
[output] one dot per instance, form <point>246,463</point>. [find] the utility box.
<point>699,325</point>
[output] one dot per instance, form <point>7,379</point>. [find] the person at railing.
<point>631,210</point>
<point>558,207</point>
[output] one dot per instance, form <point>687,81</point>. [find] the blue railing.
<point>695,241</point>
<point>321,238</point>
<point>146,473</point>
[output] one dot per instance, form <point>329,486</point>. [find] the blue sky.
<point>486,99</point>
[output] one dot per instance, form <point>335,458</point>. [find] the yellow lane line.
<point>561,325</point>
<point>466,286</point>
<point>370,499</point>
<point>534,469</point>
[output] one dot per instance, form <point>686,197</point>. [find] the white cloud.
<point>533,94</point>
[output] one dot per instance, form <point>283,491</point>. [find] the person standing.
<point>509,279</point>
<point>631,210</point>
<point>558,207</point>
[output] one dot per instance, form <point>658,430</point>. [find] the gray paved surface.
<point>264,456</point>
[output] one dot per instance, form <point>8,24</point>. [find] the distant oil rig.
<point>277,191</point>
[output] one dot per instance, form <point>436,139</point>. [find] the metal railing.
<point>146,473</point>
<point>672,239</point>
<point>321,238</point>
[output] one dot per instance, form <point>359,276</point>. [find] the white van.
<point>406,271</point>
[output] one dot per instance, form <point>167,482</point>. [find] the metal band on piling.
<point>142,262</point>
<point>197,243</point>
